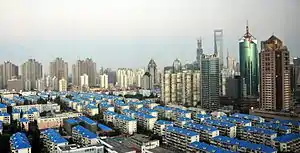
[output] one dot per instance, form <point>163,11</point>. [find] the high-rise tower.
<point>218,45</point>
<point>152,69</point>
<point>275,87</point>
<point>199,51</point>
<point>249,63</point>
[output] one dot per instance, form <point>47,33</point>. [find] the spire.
<point>247,28</point>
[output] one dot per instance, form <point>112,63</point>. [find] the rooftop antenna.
<point>247,28</point>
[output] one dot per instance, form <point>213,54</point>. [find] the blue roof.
<point>109,113</point>
<point>273,126</point>
<point>202,116</point>
<point>87,120</point>
<point>71,121</point>
<point>234,120</point>
<point>181,111</point>
<point>286,122</point>
<point>288,138</point>
<point>145,110</point>
<point>54,136</point>
<point>19,141</point>
<point>182,119</point>
<point>246,116</point>
<point>84,132</point>
<point>208,148</point>
<point>163,122</point>
<point>33,109</point>
<point>106,105</point>
<point>143,115</point>
<point>243,144</point>
<point>200,127</point>
<point>124,117</point>
<point>23,120</point>
<point>90,106</point>
<point>4,114</point>
<point>104,128</point>
<point>218,123</point>
<point>2,105</point>
<point>252,129</point>
<point>181,131</point>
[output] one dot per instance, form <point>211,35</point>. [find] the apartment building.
<point>108,116</point>
<point>201,147</point>
<point>106,107</point>
<point>225,128</point>
<point>180,121</point>
<point>55,121</point>
<point>135,105</point>
<point>198,118</point>
<point>240,123</point>
<point>91,110</point>
<point>177,112</point>
<point>73,148</point>
<point>241,146</point>
<point>254,119</point>
<point>294,125</point>
<point>125,124</point>
<point>206,133</point>
<point>5,118</point>
<point>163,112</point>
<point>149,111</point>
<point>19,143</point>
<point>278,128</point>
<point>16,114</point>
<point>160,125</point>
<point>145,121</point>
<point>179,138</point>
<point>3,108</point>
<point>83,136</point>
<point>258,135</point>
<point>120,106</point>
<point>287,143</point>
<point>52,140</point>
<point>88,123</point>
<point>40,107</point>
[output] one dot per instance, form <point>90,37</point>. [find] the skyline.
<point>163,31</point>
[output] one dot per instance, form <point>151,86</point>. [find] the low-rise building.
<point>52,140</point>
<point>254,119</point>
<point>73,148</point>
<point>5,118</point>
<point>23,123</point>
<point>294,125</point>
<point>279,128</point>
<point>108,116</point>
<point>225,128</point>
<point>180,121</point>
<point>19,143</point>
<point>120,106</point>
<point>149,111</point>
<point>258,135</point>
<point>163,112</point>
<point>135,105</point>
<point>68,124</point>
<point>237,145</point>
<point>3,108</point>
<point>206,133</point>
<point>88,123</point>
<point>287,143</point>
<point>179,138</point>
<point>91,110</point>
<point>83,136</point>
<point>125,124</point>
<point>55,121</point>
<point>240,123</point>
<point>160,125</point>
<point>106,107</point>
<point>40,107</point>
<point>198,118</point>
<point>201,147</point>
<point>16,114</point>
<point>177,112</point>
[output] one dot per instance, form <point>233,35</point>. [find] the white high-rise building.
<point>8,71</point>
<point>139,73</point>
<point>81,67</point>
<point>125,77</point>
<point>31,71</point>
<point>84,81</point>
<point>63,85</point>
<point>40,85</point>
<point>27,85</point>
<point>59,68</point>
<point>104,81</point>
<point>54,83</point>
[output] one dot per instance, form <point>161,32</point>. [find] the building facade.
<point>32,70</point>
<point>275,86</point>
<point>59,69</point>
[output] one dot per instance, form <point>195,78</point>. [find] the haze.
<point>127,33</point>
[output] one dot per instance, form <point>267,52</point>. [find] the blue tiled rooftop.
<point>181,131</point>
<point>243,144</point>
<point>54,136</point>
<point>4,114</point>
<point>87,120</point>
<point>145,110</point>
<point>218,123</point>
<point>205,116</point>
<point>273,126</point>
<point>19,141</point>
<point>163,122</point>
<point>287,138</point>
<point>90,106</point>
<point>252,129</point>
<point>246,116</point>
<point>200,127</point>
<point>124,117</point>
<point>33,109</point>
<point>71,121</point>
<point>286,122</point>
<point>162,108</point>
<point>109,113</point>
<point>84,132</point>
<point>106,105</point>
<point>143,115</point>
<point>234,120</point>
<point>208,148</point>
<point>23,120</point>
<point>182,119</point>
<point>181,111</point>
<point>2,105</point>
<point>104,128</point>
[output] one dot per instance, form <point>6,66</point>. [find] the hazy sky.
<point>127,33</point>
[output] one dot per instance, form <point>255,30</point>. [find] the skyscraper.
<point>152,69</point>
<point>218,45</point>
<point>81,67</point>
<point>210,88</point>
<point>249,63</point>
<point>32,70</point>
<point>104,81</point>
<point>8,72</point>
<point>59,68</point>
<point>139,74</point>
<point>199,52</point>
<point>275,88</point>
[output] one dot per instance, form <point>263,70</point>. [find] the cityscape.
<point>218,102</point>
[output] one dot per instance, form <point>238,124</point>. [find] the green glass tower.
<point>249,63</point>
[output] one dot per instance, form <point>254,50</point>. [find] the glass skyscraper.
<point>249,63</point>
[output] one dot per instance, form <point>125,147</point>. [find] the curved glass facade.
<point>249,65</point>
